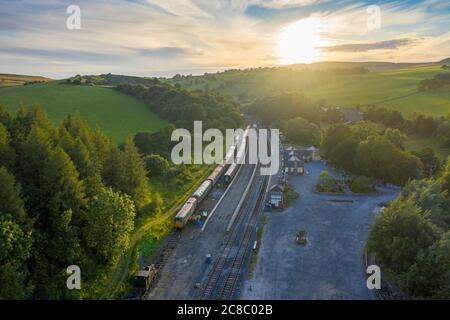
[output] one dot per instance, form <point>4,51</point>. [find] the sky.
<point>166,37</point>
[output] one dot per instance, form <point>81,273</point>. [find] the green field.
<point>393,89</point>
<point>416,143</point>
<point>118,115</point>
<point>8,80</point>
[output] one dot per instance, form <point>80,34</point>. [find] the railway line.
<point>222,279</point>
<point>186,275</point>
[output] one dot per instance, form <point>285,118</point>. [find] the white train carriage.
<point>203,190</point>
<point>229,157</point>
<point>216,174</point>
<point>185,213</point>
<point>242,147</point>
<point>231,172</point>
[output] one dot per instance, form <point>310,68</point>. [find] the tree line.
<point>422,125</point>
<point>411,238</point>
<point>439,82</point>
<point>274,110</point>
<point>68,196</point>
<point>182,107</point>
<point>364,150</point>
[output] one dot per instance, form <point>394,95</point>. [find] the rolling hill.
<point>390,85</point>
<point>8,80</point>
<point>117,114</point>
<point>394,89</point>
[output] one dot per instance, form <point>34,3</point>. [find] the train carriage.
<point>229,157</point>
<point>202,191</point>
<point>231,172</point>
<point>216,174</point>
<point>185,213</point>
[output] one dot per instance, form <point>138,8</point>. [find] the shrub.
<point>328,183</point>
<point>363,184</point>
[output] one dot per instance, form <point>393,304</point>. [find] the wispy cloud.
<point>381,45</point>
<point>164,37</point>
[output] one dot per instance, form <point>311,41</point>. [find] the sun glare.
<point>300,42</point>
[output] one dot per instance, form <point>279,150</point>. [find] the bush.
<point>290,195</point>
<point>363,184</point>
<point>328,183</point>
<point>156,165</point>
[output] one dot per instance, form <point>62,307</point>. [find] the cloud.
<point>363,47</point>
<point>151,37</point>
<point>164,52</point>
<point>278,4</point>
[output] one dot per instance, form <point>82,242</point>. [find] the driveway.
<point>331,265</point>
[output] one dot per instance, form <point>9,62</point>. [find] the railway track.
<point>165,252</point>
<point>222,279</point>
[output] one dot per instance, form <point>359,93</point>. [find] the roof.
<point>277,188</point>
<point>300,153</point>
<point>352,115</point>
<point>304,153</point>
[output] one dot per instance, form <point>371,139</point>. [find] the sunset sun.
<point>300,42</point>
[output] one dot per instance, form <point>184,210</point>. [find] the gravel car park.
<point>331,264</point>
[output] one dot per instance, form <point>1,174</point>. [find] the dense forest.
<point>109,80</point>
<point>422,125</point>
<point>182,107</point>
<point>275,110</point>
<point>411,238</point>
<point>362,149</point>
<point>171,102</point>
<point>68,196</point>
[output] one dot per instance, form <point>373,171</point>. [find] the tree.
<point>429,196</point>
<point>56,198</point>
<point>285,106</point>
<point>15,250</point>
<point>429,276</point>
<point>443,133</point>
<point>156,165</point>
<point>445,177</point>
<point>7,153</point>
<point>300,131</point>
<point>379,158</point>
<point>158,142</point>
<point>344,153</point>
<point>429,159</point>
<point>374,157</point>
<point>125,172</point>
<point>135,175</point>
<point>396,137</point>
<point>110,220</point>
<point>333,136</point>
<point>15,240</point>
<point>362,184</point>
<point>328,183</point>
<point>400,234</point>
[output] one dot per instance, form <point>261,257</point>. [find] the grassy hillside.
<point>8,80</point>
<point>395,89</point>
<point>117,114</point>
<point>392,86</point>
